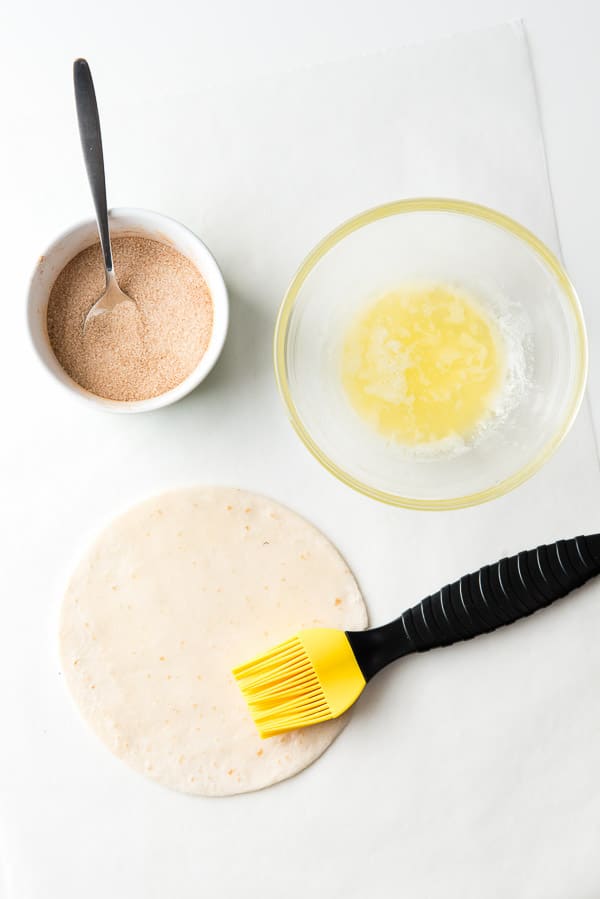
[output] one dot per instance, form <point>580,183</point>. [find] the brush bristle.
<point>282,689</point>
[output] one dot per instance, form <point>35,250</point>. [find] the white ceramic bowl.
<point>143,223</point>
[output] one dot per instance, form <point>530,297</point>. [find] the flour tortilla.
<point>171,596</point>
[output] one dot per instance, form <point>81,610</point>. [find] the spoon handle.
<point>91,144</point>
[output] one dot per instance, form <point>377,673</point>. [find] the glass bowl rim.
<point>401,207</point>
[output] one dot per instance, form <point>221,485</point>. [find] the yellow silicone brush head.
<point>310,678</point>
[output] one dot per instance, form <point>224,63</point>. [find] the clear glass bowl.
<point>469,246</point>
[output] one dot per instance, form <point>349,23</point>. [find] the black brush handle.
<point>481,602</point>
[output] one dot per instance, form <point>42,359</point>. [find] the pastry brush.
<point>320,672</point>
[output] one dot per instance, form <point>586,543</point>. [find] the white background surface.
<point>76,822</point>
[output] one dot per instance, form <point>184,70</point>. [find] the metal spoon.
<point>91,143</point>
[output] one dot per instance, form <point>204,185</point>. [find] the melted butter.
<point>423,363</point>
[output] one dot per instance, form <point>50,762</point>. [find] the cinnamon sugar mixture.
<point>133,352</point>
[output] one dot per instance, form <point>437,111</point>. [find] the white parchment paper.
<point>469,772</point>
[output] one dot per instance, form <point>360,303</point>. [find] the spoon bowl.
<point>112,296</point>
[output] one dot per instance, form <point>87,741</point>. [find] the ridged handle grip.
<point>481,602</point>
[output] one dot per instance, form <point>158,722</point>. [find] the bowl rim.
<point>401,207</point>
